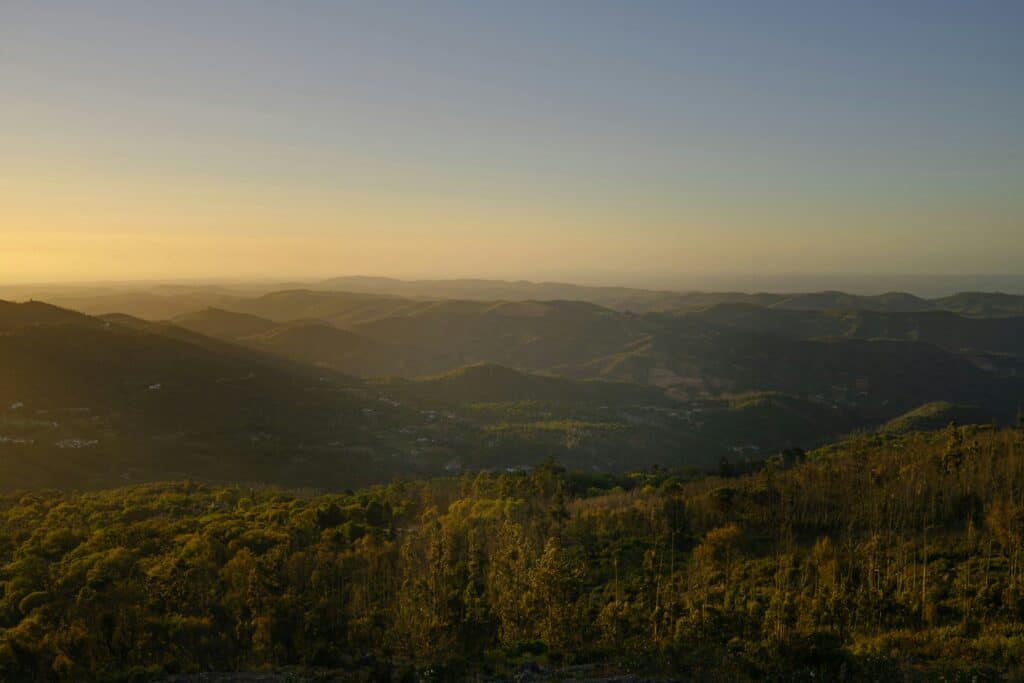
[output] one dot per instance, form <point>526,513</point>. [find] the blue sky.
<point>513,139</point>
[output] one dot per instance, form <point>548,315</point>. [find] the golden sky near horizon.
<point>316,140</point>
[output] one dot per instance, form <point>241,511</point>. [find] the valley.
<point>328,390</point>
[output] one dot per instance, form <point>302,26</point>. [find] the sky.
<point>541,140</point>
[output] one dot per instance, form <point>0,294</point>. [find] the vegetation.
<point>490,383</point>
<point>881,557</point>
<point>88,402</point>
<point>944,329</point>
<point>932,416</point>
<point>890,553</point>
<point>94,402</point>
<point>870,365</point>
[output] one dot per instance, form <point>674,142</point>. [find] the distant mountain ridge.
<point>217,322</point>
<point>161,302</point>
<point>982,304</point>
<point>876,363</point>
<point>945,329</point>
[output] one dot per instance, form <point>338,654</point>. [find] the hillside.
<point>983,304</point>
<point>875,559</point>
<point>490,383</point>
<point>97,402</point>
<point>618,298</point>
<point>150,304</point>
<point>932,416</point>
<point>321,344</point>
<point>339,308</point>
<point>94,401</point>
<point>944,329</point>
<point>893,302</point>
<point>475,385</point>
<point>876,379</point>
<point>14,315</point>
<point>216,322</point>
<point>489,416</point>
<point>872,364</point>
<point>527,335</point>
<point>975,304</point>
<point>312,342</point>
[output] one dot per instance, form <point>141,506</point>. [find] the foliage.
<point>879,559</point>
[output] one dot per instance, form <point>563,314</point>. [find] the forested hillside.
<point>93,402</point>
<point>944,329</point>
<point>878,558</point>
<point>871,365</point>
<point>88,402</point>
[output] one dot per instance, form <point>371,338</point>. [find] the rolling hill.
<point>222,394</point>
<point>216,322</point>
<point>977,304</point>
<point>944,329</point>
<point>982,304</point>
<point>165,301</point>
<point>91,402</point>
<point>14,315</point>
<point>321,344</point>
<point>875,363</point>
<point>339,308</point>
<point>491,383</point>
<point>313,342</point>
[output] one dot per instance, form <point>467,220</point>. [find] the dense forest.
<point>881,556</point>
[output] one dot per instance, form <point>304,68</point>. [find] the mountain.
<point>149,301</point>
<point>339,308</point>
<point>983,304</point>
<point>697,357</point>
<point>267,388</point>
<point>978,304</point>
<point>527,335</point>
<point>831,301</point>
<point>619,298</point>
<point>14,315</point>
<point>412,338</point>
<point>313,342</point>
<point>151,305</point>
<point>166,301</point>
<point>321,344</point>
<point>104,400</point>
<point>876,379</point>
<point>216,322</point>
<point>92,402</point>
<point>491,383</point>
<point>837,357</point>
<point>944,329</point>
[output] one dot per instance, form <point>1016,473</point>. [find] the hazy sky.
<point>547,139</point>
